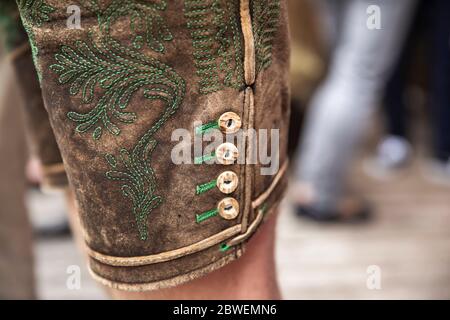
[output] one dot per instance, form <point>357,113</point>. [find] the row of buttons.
<point>227,154</point>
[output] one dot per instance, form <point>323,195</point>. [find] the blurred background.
<point>367,215</point>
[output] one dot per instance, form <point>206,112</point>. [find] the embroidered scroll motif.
<point>144,20</point>
<point>35,12</point>
<point>109,66</point>
<point>217,43</point>
<point>106,74</point>
<point>265,19</point>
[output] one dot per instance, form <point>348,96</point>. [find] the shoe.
<point>393,153</point>
<point>437,172</point>
<point>349,210</point>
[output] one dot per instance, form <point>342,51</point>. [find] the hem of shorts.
<point>170,282</point>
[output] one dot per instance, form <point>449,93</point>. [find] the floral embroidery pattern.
<point>217,43</point>
<point>35,11</point>
<point>145,21</point>
<point>265,19</point>
<point>106,74</point>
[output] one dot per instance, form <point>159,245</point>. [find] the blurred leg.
<point>16,258</point>
<point>342,106</point>
<point>394,107</point>
<point>440,78</point>
<point>394,104</point>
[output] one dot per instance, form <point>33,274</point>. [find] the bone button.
<point>227,153</point>
<point>230,122</point>
<point>227,182</point>
<point>228,208</point>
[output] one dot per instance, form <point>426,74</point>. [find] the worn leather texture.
<point>115,91</point>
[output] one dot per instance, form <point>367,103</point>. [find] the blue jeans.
<point>361,63</point>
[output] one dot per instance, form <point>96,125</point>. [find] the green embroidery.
<point>202,188</point>
<point>217,43</point>
<point>265,19</point>
<point>206,215</point>
<point>34,13</point>
<point>146,24</point>
<point>119,75</point>
<point>137,174</point>
<point>106,74</point>
<point>139,180</point>
<point>111,66</point>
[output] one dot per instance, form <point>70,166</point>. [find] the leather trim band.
<point>249,43</point>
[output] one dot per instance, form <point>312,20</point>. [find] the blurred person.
<point>361,60</point>
<point>308,57</point>
<point>16,254</point>
<point>116,88</point>
<point>395,150</point>
<point>20,88</point>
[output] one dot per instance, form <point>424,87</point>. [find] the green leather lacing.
<point>217,43</point>
<point>224,247</point>
<point>200,130</point>
<point>202,188</point>
<point>204,158</point>
<point>206,215</point>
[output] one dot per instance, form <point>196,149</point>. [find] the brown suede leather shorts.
<point>119,80</point>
